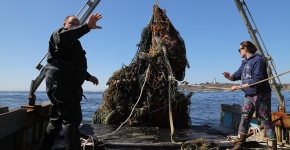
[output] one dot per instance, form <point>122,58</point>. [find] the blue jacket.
<point>252,70</point>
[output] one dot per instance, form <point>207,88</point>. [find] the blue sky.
<point>212,31</point>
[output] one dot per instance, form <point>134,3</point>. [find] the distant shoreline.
<point>217,87</point>
<point>194,87</point>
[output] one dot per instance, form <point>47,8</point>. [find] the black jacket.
<point>65,50</point>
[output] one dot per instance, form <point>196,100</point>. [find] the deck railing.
<point>23,128</point>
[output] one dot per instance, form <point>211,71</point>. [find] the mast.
<point>276,87</point>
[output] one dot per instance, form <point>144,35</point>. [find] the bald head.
<point>70,21</point>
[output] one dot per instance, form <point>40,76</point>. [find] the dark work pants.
<point>64,89</point>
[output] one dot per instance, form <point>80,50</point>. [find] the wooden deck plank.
<point>155,138</point>
<point>151,137</point>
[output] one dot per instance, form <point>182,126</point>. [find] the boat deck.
<point>155,138</point>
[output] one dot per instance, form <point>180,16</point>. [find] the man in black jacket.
<point>64,78</point>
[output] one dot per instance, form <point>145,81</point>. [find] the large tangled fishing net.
<point>151,79</point>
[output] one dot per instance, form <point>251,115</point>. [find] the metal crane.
<point>90,5</point>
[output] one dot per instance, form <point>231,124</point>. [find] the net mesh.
<point>162,51</point>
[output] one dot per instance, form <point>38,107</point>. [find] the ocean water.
<point>204,107</point>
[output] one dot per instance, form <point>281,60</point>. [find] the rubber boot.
<point>72,136</point>
<point>240,143</point>
<point>50,135</point>
<point>272,144</point>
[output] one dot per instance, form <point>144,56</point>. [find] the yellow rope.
<point>170,114</point>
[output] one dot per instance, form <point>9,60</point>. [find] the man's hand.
<point>94,80</point>
<point>93,20</point>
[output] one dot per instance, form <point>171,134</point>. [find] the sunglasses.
<point>241,49</point>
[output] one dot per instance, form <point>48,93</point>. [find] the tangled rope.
<point>147,72</point>
<point>89,141</point>
<point>199,144</point>
<point>256,131</point>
